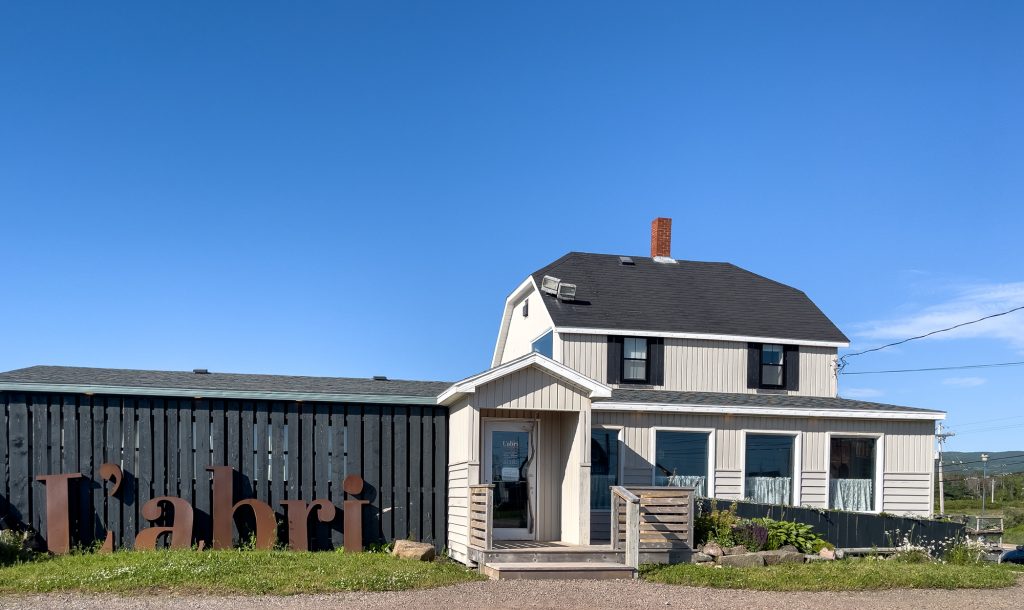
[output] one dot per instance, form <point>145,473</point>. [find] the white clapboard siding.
<point>531,389</point>
<point>906,446</point>
<point>704,366</point>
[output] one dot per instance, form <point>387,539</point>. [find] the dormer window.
<point>634,360</point>
<point>773,366</point>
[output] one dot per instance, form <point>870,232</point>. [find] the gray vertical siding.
<point>703,366</point>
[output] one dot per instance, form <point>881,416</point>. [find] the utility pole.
<point>984,477</point>
<point>941,436</point>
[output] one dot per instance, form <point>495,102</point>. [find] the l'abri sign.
<point>177,514</point>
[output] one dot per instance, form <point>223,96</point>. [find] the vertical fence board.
<point>19,458</point>
<point>401,469</point>
<point>427,482</point>
<point>187,451</point>
<point>5,466</point>
<point>174,449</point>
<point>202,515</point>
<point>338,448</point>
<point>260,445</point>
<point>440,478</point>
<point>247,420</point>
<point>371,472</point>
<point>279,458</point>
<point>144,467</point>
<point>306,464</point>
<point>39,452</point>
<point>415,467</point>
<point>112,452</point>
<point>87,525</point>
<point>292,476</point>
<point>129,431</point>
<point>387,483</point>
<point>321,465</point>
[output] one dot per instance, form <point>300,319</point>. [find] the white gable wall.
<point>522,332</point>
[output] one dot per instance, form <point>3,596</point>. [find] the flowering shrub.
<point>726,529</point>
<point>752,535</point>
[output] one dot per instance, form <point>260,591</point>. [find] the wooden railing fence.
<point>481,501</point>
<point>651,518</point>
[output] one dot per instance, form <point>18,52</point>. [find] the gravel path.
<point>547,594</point>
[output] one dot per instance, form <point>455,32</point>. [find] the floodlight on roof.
<point>549,285</point>
<point>566,292</point>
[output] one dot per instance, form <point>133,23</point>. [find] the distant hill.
<point>970,461</point>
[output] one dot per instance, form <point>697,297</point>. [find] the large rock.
<point>827,553</point>
<point>790,548</point>
<point>713,549</point>
<point>772,558</point>
<point>749,560</point>
<point>736,550</point>
<point>407,549</point>
<point>701,558</point>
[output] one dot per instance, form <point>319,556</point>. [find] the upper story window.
<point>634,360</point>
<point>544,345</point>
<point>773,366</point>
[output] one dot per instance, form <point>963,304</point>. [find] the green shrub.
<point>716,526</point>
<point>964,553</point>
<point>753,536</point>
<point>1013,517</point>
<point>781,533</point>
<point>14,547</point>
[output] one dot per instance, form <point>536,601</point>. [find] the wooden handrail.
<point>650,517</point>
<point>481,505</point>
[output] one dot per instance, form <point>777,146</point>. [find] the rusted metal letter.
<point>298,520</point>
<point>58,526</point>
<point>353,532</point>
<point>110,472</point>
<point>224,512</point>
<point>180,528</point>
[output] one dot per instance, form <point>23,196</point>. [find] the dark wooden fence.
<point>282,450</point>
<point>846,529</point>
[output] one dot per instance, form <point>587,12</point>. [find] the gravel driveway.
<point>548,594</point>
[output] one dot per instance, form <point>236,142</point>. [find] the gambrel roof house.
<point>608,371</point>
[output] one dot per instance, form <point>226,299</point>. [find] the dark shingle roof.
<point>188,382</point>
<point>780,401</point>
<point>686,297</point>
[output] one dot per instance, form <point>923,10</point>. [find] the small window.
<point>604,467</point>
<point>773,366</point>
<point>545,345</point>
<point>634,360</point>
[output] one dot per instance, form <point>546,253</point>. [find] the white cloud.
<point>860,393</point>
<point>964,382</point>
<point>967,303</point>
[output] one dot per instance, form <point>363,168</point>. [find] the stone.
<point>790,548</point>
<point>713,549</point>
<point>772,558</point>
<point>840,554</point>
<point>419,551</point>
<point>747,560</point>
<point>827,553</point>
<point>699,557</point>
<point>736,550</point>
<point>814,558</point>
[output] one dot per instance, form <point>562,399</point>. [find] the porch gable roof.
<point>593,389</point>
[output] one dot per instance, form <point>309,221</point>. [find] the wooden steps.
<point>561,570</point>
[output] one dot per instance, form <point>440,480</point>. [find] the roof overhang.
<point>606,405</point>
<point>593,389</point>
<point>577,330</point>
<point>58,388</point>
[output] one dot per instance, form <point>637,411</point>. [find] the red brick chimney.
<point>661,237</point>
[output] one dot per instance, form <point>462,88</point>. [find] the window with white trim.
<point>681,459</point>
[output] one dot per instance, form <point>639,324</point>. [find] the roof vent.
<point>549,285</point>
<point>200,371</point>
<point>566,292</point>
<point>380,378</point>
<point>626,260</point>
<point>664,259</point>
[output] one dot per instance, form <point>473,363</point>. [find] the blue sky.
<point>353,188</point>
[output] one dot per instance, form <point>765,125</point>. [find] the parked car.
<point>1016,556</point>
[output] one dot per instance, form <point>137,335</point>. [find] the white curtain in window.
<point>769,490</point>
<point>851,494</point>
<point>697,482</point>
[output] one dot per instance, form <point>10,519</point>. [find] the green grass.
<point>973,507</point>
<point>1014,535</point>
<point>228,572</point>
<point>849,575</point>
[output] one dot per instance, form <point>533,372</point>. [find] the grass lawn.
<point>229,572</point>
<point>848,575</point>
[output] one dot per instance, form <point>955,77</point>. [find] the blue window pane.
<point>604,467</point>
<point>545,345</point>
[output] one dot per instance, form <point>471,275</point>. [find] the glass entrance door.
<point>510,464</point>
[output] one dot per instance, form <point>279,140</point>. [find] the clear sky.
<point>353,188</point>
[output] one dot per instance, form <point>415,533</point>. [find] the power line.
<point>962,366</point>
<point>1016,456</point>
<point>842,361</point>
<point>988,421</point>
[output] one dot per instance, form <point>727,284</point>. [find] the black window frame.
<point>647,362</point>
<point>782,366</point>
